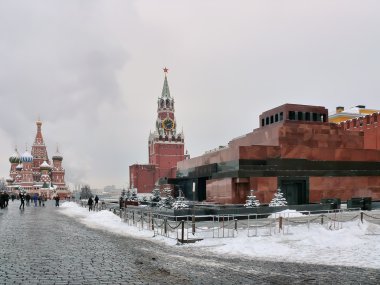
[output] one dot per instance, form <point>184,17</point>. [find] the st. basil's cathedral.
<point>34,173</point>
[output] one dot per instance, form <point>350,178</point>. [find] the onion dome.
<point>19,167</point>
<point>15,157</point>
<point>58,155</point>
<point>45,166</point>
<point>26,157</point>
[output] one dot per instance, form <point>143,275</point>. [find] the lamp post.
<point>193,220</point>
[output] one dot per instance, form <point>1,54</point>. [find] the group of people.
<point>37,199</point>
<point>4,199</point>
<point>90,203</point>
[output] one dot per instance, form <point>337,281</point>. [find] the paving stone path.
<point>42,246</point>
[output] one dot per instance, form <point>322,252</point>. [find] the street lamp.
<point>193,225</point>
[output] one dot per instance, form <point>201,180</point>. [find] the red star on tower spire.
<point>166,70</point>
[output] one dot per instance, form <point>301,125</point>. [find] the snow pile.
<point>104,220</point>
<point>286,214</point>
<point>356,244</point>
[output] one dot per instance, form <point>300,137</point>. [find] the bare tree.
<point>3,185</point>
<point>85,192</point>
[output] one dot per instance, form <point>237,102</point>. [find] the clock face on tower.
<point>168,124</point>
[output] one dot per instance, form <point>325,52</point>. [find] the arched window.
<point>348,125</point>
<point>375,118</point>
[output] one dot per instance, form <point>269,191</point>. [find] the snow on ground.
<point>356,244</point>
<point>286,214</point>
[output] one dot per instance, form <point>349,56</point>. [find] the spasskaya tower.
<point>165,146</point>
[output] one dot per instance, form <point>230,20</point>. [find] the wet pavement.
<point>41,246</point>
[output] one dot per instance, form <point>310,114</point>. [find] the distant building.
<point>342,115</point>
<point>35,173</point>
<point>296,149</point>
<point>165,147</point>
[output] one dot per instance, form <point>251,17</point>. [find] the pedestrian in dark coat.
<point>27,198</point>
<point>39,200</point>
<point>6,197</point>
<point>90,202</point>
<point>2,201</point>
<point>56,200</point>
<point>22,199</point>
<point>121,202</point>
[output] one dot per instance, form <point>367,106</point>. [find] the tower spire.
<point>165,89</point>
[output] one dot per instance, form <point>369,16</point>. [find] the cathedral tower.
<point>166,144</point>
<point>39,152</point>
<point>57,172</point>
<point>27,171</point>
<point>14,160</point>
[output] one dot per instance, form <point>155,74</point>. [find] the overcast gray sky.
<point>92,70</point>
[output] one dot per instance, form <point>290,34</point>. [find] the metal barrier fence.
<point>191,228</point>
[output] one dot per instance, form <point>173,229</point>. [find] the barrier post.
<point>193,225</point>
<point>183,231</point>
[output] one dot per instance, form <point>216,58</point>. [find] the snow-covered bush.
<point>278,199</point>
<point>180,202</point>
<point>251,201</point>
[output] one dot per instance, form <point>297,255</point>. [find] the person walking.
<point>89,203</point>
<point>6,199</point>
<point>39,200</point>
<point>121,202</point>
<point>96,201</point>
<point>56,200</point>
<point>27,198</point>
<point>22,200</point>
<point>2,200</point>
<point>43,200</point>
<point>35,199</point>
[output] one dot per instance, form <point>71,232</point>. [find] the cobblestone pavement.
<point>42,246</point>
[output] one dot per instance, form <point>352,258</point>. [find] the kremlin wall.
<point>300,149</point>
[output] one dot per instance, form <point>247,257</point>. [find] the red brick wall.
<point>143,177</point>
<point>343,187</point>
<point>219,190</point>
<point>227,191</point>
<point>265,188</point>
